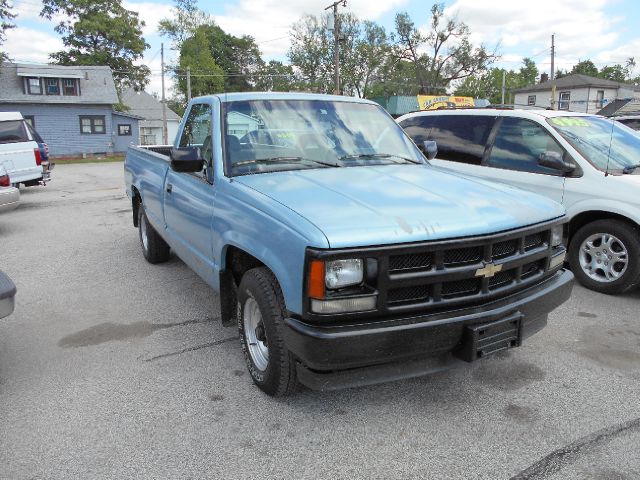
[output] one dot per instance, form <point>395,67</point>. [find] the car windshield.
<point>606,144</point>
<point>274,135</point>
<point>12,131</point>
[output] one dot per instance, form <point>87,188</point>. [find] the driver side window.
<point>197,132</point>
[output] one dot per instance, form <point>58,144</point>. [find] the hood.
<point>381,205</point>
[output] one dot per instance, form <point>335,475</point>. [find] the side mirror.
<point>430,149</point>
<point>186,159</point>
<point>555,161</point>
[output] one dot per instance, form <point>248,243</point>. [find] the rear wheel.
<point>260,324</point>
<point>154,248</point>
<point>605,256</point>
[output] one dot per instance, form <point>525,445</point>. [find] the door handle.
<point>169,187</point>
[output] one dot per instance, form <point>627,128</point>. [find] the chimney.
<point>544,78</point>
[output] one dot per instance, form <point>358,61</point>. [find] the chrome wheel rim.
<point>143,233</point>
<point>603,257</point>
<point>255,334</point>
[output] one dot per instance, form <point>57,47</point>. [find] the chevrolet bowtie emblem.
<point>488,271</point>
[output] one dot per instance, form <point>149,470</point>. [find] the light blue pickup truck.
<point>343,257</point>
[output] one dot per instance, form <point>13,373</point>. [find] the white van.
<point>19,151</point>
<point>588,163</point>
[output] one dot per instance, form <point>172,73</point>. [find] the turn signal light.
<point>315,288</point>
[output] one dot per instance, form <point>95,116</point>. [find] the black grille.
<point>504,249</point>
<point>459,288</point>
<point>462,256</point>
<point>417,261</point>
<point>533,241</point>
<point>501,279</point>
<point>413,294</point>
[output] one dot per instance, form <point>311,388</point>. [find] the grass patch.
<point>70,160</point>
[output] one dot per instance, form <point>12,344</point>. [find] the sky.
<point>605,31</point>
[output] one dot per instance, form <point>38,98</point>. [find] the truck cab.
<point>341,255</point>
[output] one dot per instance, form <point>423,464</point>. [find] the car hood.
<point>381,205</point>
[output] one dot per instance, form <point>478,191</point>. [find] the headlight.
<point>557,234</point>
<point>342,273</point>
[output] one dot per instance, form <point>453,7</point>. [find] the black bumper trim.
<point>342,351</point>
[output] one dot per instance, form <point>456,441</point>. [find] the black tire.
<point>628,235</point>
<point>279,377</point>
<point>155,250</point>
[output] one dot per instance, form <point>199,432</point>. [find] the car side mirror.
<point>555,161</point>
<point>186,159</point>
<point>430,149</point>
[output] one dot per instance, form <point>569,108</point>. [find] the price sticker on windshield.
<point>569,122</point>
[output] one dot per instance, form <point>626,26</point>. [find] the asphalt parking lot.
<point>114,368</point>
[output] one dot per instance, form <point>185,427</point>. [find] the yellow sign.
<point>437,102</point>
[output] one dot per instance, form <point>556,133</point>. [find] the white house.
<point>149,108</point>
<point>575,93</point>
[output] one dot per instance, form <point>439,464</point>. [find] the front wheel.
<point>260,322</point>
<point>605,256</point>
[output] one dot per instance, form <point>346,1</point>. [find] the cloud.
<point>31,45</point>
<point>582,28</point>
<point>268,21</point>
<point>151,13</point>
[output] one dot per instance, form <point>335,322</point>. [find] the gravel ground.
<point>114,368</point>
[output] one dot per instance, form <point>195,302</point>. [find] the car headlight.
<point>557,234</point>
<point>342,273</point>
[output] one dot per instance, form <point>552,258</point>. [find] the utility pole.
<point>188,84</point>
<point>553,57</point>
<point>165,134</point>
<point>504,81</point>
<point>336,43</point>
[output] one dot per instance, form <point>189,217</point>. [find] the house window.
<point>92,124</point>
<point>53,86</point>
<point>34,86</point>
<point>30,120</point>
<point>124,130</point>
<point>531,100</point>
<point>69,86</point>
<point>600,98</point>
<point>565,98</point>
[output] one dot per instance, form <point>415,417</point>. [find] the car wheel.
<point>154,248</point>
<point>260,323</point>
<point>605,256</point>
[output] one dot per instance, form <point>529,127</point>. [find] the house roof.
<point>127,115</point>
<point>573,81</point>
<point>146,106</point>
<point>96,84</point>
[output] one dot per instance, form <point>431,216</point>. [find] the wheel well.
<point>580,220</point>
<point>136,200</point>
<point>236,262</point>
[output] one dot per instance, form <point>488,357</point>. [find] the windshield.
<point>274,135</point>
<point>606,144</point>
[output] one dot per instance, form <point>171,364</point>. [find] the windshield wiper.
<point>377,155</point>
<point>630,168</point>
<point>283,160</point>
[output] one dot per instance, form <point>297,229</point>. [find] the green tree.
<point>6,23</point>
<point>528,72</point>
<point>206,75</point>
<point>185,20</point>
<point>442,55</point>
<point>239,57</point>
<point>100,32</point>
<point>585,67</point>
<point>364,51</point>
<point>276,77</point>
